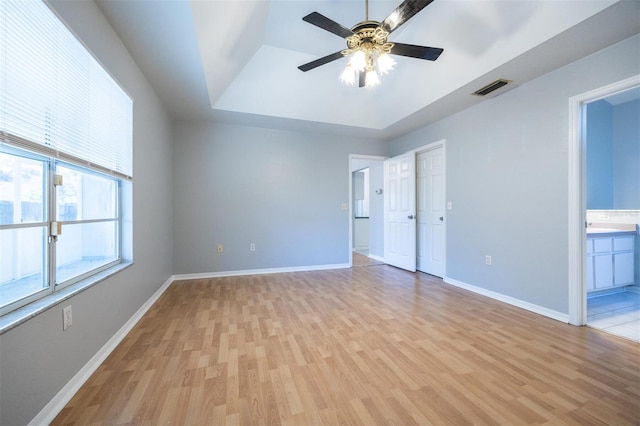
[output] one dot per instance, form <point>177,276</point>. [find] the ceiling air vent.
<point>491,87</point>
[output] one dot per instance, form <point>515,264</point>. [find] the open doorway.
<point>605,209</point>
<point>366,210</point>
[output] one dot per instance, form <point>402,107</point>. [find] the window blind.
<point>55,98</point>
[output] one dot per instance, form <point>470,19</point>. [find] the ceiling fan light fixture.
<point>358,61</point>
<point>371,79</point>
<point>348,76</point>
<point>385,63</point>
<point>368,50</point>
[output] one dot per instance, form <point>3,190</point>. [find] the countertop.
<point>611,229</point>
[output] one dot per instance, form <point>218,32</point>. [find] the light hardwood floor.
<point>367,345</point>
<point>359,259</point>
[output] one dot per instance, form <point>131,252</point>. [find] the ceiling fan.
<point>368,46</point>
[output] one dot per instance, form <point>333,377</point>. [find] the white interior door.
<point>430,174</point>
<point>400,211</point>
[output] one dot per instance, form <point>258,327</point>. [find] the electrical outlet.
<point>220,249</point>
<point>487,260</point>
<point>252,247</point>
<point>67,318</point>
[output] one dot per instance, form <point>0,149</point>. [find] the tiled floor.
<point>617,313</point>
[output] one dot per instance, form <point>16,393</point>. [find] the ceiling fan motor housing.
<point>370,36</point>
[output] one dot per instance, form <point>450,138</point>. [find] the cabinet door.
<point>603,268</point>
<point>623,268</point>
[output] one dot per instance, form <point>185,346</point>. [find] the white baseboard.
<point>541,310</point>
<point>258,271</point>
<point>53,408</point>
<point>378,258</point>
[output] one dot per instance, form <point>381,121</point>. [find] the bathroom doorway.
<point>605,218</point>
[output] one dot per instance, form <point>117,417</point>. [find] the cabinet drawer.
<point>602,245</point>
<point>623,243</point>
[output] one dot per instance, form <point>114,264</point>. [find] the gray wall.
<point>613,156</point>
<point>599,139</point>
<point>281,190</point>
<point>508,182</point>
<point>37,358</point>
<point>626,150</point>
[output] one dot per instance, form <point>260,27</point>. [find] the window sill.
<point>17,317</point>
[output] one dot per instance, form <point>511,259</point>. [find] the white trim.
<point>541,310</point>
<point>58,402</point>
<point>577,198</point>
<point>259,271</point>
<point>378,258</point>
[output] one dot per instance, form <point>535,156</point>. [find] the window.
<point>23,228</point>
<point>87,208</point>
<point>65,155</point>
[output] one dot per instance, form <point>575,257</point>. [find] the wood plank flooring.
<point>367,345</point>
<point>359,259</point>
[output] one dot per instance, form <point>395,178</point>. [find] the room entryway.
<point>605,209</point>
<point>365,209</point>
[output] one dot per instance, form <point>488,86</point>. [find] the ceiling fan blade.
<point>403,13</point>
<point>324,60</point>
<point>413,51</point>
<point>327,24</point>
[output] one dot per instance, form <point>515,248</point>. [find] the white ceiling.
<point>236,60</point>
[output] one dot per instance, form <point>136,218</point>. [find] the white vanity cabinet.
<point>610,261</point>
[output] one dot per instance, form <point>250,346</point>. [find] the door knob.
<point>410,216</point>
<point>441,218</point>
